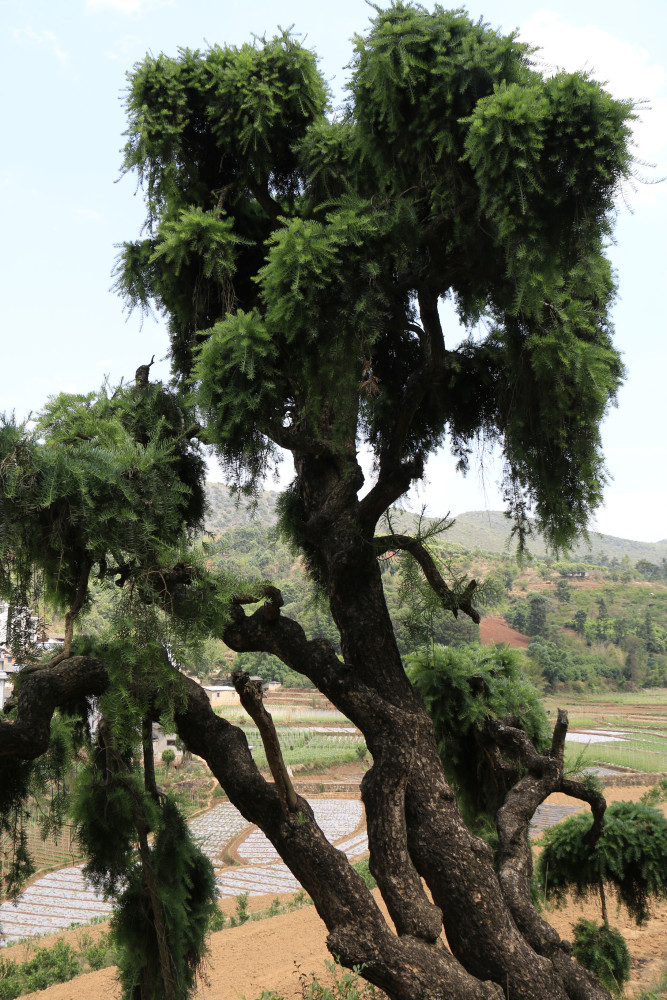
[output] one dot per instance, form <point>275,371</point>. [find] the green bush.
<point>344,985</point>
<point>242,914</point>
<point>10,980</point>
<point>51,965</point>
<point>603,951</point>
<point>217,921</point>
<point>48,966</point>
<point>98,955</point>
<point>461,688</point>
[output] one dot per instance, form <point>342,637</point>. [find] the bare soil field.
<point>267,954</point>
<point>495,629</point>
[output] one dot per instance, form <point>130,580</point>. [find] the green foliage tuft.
<point>187,896</point>
<point>461,687</point>
<point>630,855</point>
<point>603,951</point>
<point>363,868</point>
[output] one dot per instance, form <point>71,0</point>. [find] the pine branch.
<point>450,600</point>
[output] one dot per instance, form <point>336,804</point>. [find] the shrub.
<point>242,914</point>
<point>10,980</point>
<point>461,688</point>
<point>603,951</point>
<point>51,965</point>
<point>97,954</point>
<point>217,921</point>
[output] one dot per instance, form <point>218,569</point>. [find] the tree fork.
<point>250,693</point>
<point>484,937</point>
<point>407,968</point>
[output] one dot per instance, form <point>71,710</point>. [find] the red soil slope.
<point>496,629</point>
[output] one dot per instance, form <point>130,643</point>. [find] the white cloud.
<point>45,37</point>
<point>67,387</point>
<point>626,70</point>
<point>639,515</point>
<point>126,48</point>
<point>88,214</point>
<point>132,7</point>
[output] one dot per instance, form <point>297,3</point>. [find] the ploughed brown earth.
<point>266,954</point>
<point>493,628</point>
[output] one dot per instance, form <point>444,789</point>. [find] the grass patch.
<point>301,746</point>
<point>243,915</point>
<point>362,868</point>
<point>645,696</point>
<point>640,751</point>
<point>342,985</point>
<point>286,715</point>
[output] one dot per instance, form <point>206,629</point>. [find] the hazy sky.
<point>63,65</point>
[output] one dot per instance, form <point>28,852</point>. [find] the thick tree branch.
<point>295,440</point>
<point>71,614</point>
<point>383,793</point>
<point>436,365</point>
<point>595,799</point>
<point>435,341</point>
<point>393,481</point>
<point>39,693</point>
<point>250,693</point>
<point>515,860</point>
<point>458,869</point>
<point>450,600</point>
<point>269,204</point>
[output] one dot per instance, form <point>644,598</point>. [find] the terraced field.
<point>244,861</point>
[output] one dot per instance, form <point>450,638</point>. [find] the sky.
<point>64,206</point>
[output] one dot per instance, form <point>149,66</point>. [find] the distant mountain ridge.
<point>488,531</point>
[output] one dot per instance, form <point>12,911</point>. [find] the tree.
<point>579,622</point>
<point>563,591</point>
<point>629,854</point>
<point>554,663</point>
<point>300,257</point>
<point>649,570</point>
<point>537,615</point>
<point>168,758</point>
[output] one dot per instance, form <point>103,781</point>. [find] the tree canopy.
<point>300,256</point>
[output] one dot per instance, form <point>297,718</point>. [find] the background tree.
<point>629,856</point>
<point>300,257</point>
<point>563,591</point>
<point>536,623</point>
<point>168,758</point>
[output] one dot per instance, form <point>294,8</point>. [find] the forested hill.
<point>487,531</point>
